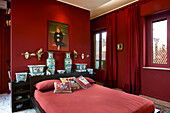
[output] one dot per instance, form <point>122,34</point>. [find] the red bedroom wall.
<point>154,83</point>
<point>29,31</point>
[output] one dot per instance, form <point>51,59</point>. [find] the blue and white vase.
<point>68,63</point>
<point>51,63</point>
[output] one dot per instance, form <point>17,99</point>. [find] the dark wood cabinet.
<point>20,96</point>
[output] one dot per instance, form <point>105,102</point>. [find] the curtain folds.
<point>132,84</point>
<point>110,76</point>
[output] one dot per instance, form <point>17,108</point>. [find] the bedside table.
<point>20,96</point>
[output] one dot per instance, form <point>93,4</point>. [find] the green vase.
<point>68,63</point>
<point>51,63</point>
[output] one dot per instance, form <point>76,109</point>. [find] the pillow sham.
<point>46,85</point>
<point>83,82</point>
<point>62,87</point>
<point>73,83</point>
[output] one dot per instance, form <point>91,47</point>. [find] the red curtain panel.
<point>132,84</point>
<point>110,76</point>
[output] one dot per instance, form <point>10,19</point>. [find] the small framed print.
<point>120,46</point>
<point>58,36</point>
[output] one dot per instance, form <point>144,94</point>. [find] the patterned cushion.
<point>83,82</point>
<point>62,87</point>
<point>73,83</point>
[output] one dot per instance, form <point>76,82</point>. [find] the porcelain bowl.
<point>61,71</point>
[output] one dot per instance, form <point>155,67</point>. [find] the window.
<point>100,50</point>
<point>158,40</point>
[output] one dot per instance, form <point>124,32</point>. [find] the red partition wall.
<point>4,52</point>
<point>29,31</point>
<point>154,83</point>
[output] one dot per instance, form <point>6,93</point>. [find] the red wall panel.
<point>154,83</point>
<point>29,31</point>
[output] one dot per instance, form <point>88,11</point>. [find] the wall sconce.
<point>39,53</point>
<point>82,55</point>
<point>27,55</point>
<point>75,54</point>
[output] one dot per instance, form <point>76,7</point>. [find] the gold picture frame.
<point>120,46</point>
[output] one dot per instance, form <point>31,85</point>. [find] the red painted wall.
<point>29,31</point>
<point>154,83</point>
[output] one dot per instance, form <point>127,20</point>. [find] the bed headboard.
<point>36,79</point>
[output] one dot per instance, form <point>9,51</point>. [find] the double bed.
<point>95,99</point>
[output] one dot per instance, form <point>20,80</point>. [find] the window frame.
<point>100,48</point>
<point>149,38</point>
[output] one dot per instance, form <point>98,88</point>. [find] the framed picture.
<point>120,46</point>
<point>58,37</point>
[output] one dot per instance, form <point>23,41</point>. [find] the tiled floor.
<point>158,102</point>
<point>5,103</point>
<point>5,106</point>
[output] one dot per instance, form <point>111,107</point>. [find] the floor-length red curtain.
<point>132,84</point>
<point>110,76</point>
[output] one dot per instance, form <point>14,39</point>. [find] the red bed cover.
<point>95,99</point>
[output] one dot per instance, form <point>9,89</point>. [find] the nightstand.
<point>20,96</point>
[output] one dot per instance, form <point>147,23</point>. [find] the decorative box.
<point>90,70</point>
<point>21,76</point>
<point>80,67</point>
<point>36,70</point>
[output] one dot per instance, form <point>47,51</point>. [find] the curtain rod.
<point>122,8</point>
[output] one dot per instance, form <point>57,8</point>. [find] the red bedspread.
<point>95,99</point>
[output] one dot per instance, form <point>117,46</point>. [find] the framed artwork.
<point>120,46</point>
<point>58,37</point>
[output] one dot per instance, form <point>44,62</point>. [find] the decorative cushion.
<point>73,83</point>
<point>83,82</point>
<point>91,81</point>
<point>46,85</point>
<point>62,87</point>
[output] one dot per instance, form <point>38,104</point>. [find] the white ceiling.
<point>98,7</point>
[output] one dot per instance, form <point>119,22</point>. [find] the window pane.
<point>103,50</point>
<point>159,53</point>
<point>97,54</point>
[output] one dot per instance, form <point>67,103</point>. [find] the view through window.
<point>100,50</point>
<point>159,39</point>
